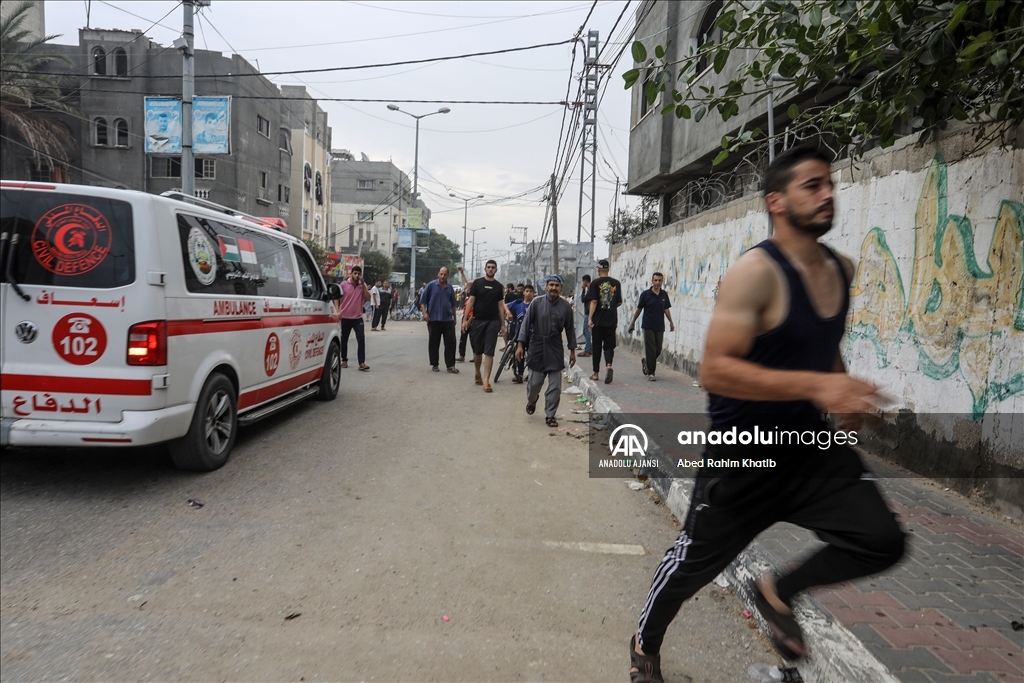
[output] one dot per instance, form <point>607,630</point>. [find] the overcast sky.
<point>495,150</point>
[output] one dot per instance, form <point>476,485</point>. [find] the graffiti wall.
<point>937,307</point>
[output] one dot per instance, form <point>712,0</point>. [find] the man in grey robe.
<point>546,320</point>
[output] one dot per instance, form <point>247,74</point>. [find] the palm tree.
<point>29,99</point>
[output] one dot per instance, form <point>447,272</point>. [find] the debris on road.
<point>1017,626</point>
<point>721,581</point>
<point>764,673</point>
<point>573,390</point>
<point>444,617</point>
<point>791,675</point>
<point>635,485</point>
<point>193,503</point>
<point>293,615</point>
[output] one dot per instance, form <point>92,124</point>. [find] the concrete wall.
<point>937,312</point>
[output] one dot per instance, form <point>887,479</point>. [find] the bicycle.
<point>407,315</point>
<point>508,358</point>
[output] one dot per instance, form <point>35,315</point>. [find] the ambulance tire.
<point>330,381</point>
<point>214,427</point>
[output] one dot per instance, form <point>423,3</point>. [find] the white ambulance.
<point>131,319</point>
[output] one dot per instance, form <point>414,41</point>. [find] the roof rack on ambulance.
<point>220,208</point>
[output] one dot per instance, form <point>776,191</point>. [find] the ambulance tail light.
<point>147,343</point>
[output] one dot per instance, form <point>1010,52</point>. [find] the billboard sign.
<point>414,218</point>
<point>350,262</point>
<point>210,125</point>
<point>163,125</point>
<point>405,238</point>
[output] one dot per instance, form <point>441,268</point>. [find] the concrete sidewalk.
<point>943,614</point>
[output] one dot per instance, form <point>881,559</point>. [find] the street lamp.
<point>472,264</point>
<point>416,180</point>
<point>478,254</point>
<point>465,216</point>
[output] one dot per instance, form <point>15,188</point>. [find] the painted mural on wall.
<point>965,318</point>
<point>937,308</point>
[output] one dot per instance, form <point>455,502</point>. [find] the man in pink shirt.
<point>354,295</point>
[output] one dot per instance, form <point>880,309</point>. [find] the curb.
<point>835,653</point>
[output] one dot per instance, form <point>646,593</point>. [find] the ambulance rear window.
<point>69,240</point>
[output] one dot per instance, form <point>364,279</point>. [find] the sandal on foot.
<point>488,389</point>
<point>531,408</point>
<point>782,627</point>
<point>648,667</point>
<point>595,377</point>
<point>344,363</point>
<point>364,367</point>
<point>551,422</point>
<point>608,376</point>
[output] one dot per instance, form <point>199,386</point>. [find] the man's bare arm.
<point>743,298</point>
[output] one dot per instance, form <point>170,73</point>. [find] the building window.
<point>284,193</point>
<point>40,174</point>
<point>120,62</point>
<point>364,215</point>
<point>262,126</point>
<point>305,222</point>
<point>100,136</point>
<point>645,106</point>
<point>364,184</point>
<point>121,131</point>
<point>285,141</point>
<point>206,168</point>
<point>263,180</point>
<point>99,61</point>
<point>707,32</point>
<point>316,226</point>
<point>165,167</point>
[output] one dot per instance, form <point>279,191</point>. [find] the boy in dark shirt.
<point>603,298</point>
<point>654,304</point>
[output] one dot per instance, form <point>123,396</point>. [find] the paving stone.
<point>928,585</point>
<point>913,601</point>
<point>972,620</point>
<point>901,638</point>
<point>911,658</point>
<point>983,638</point>
<point>869,636</point>
<point>966,662</point>
<point>978,603</point>
<point>979,677</point>
<point>986,572</point>
<point>870,615</point>
<point>923,617</point>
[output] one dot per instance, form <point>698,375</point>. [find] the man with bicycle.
<point>518,309</point>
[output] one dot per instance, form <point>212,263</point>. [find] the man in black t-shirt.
<point>486,308</point>
<point>603,298</point>
<point>654,305</point>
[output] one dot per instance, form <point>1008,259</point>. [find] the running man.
<point>772,360</point>
<point>486,309</point>
<point>354,295</point>
<point>654,304</point>
<point>604,298</point>
<point>546,320</point>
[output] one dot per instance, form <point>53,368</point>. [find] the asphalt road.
<point>414,529</point>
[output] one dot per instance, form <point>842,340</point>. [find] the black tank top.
<point>803,341</point>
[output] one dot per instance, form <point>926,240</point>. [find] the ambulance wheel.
<point>330,381</point>
<point>214,427</point>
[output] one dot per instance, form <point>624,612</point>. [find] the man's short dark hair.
<point>585,278</point>
<point>658,275</point>
<point>490,261</point>
<point>529,287</point>
<point>780,172</point>
<point>357,269</point>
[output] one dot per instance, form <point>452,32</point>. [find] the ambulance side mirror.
<point>333,292</point>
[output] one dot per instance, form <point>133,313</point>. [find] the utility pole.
<point>615,211</point>
<point>188,76</point>
<point>554,225</point>
<point>588,146</point>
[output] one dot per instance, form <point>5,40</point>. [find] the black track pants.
<point>822,491</point>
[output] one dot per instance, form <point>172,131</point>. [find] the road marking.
<point>605,548</point>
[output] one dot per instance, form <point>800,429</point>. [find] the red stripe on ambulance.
<point>257,396</point>
<point>77,385</point>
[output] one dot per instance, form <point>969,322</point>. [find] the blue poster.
<point>163,125</point>
<point>405,238</point>
<point>210,118</point>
